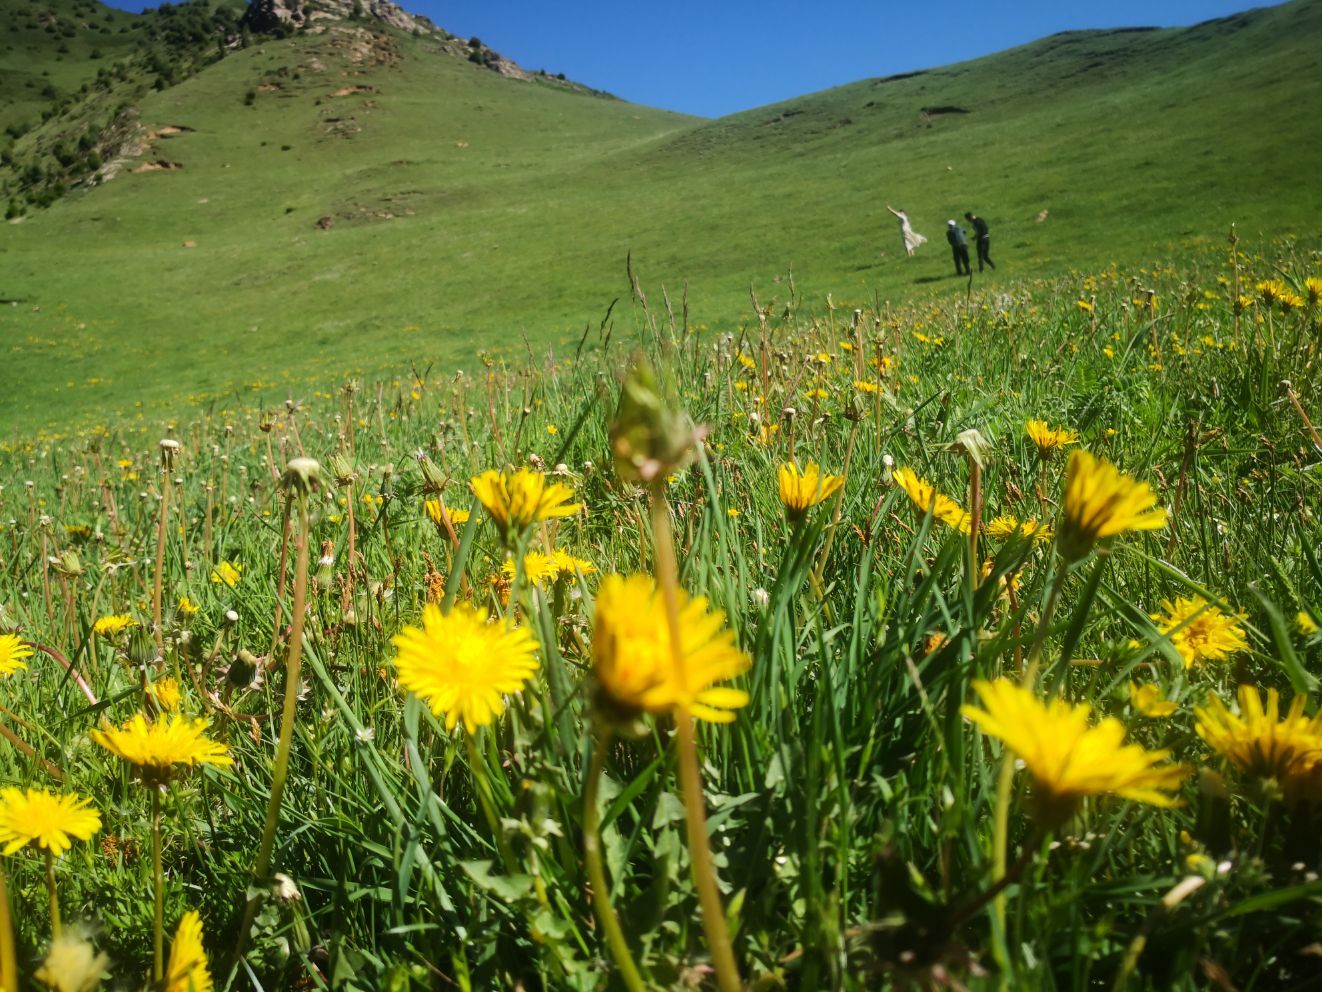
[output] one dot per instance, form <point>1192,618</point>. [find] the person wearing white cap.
<point>959,248</point>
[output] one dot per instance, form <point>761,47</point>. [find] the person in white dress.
<point>911,238</point>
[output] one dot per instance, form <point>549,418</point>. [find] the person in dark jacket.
<point>983,239</point>
<point>959,247</point>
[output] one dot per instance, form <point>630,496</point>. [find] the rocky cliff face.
<point>273,15</point>
<point>316,16</point>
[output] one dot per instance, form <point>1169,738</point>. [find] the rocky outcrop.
<point>273,16</point>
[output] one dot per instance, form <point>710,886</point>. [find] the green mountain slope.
<point>362,197</point>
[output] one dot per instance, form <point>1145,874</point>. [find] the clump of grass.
<point>1075,517</point>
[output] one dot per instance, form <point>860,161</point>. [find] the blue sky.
<point>716,57</point>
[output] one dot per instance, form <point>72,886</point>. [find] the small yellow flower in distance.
<point>156,747</point>
<point>187,969</point>
<point>45,819</point>
<point>567,566</point>
<point>934,642</point>
<point>1305,623</point>
<point>522,497</point>
<point>818,394</point>
<point>463,667</point>
<point>166,693</point>
<point>746,361</point>
<point>552,429</point>
<point>863,386</point>
<point>227,573</point>
<point>1067,759</point>
<point>800,491</point>
<point>186,606</point>
<point>634,658</point>
<point>1263,744</point>
<point>1048,439</point>
<point>732,513</point>
<point>12,654</point>
<point>928,500</point>
<point>1101,502</point>
<point>112,626</point>
<point>1199,630</point>
<point>1147,700</point>
<point>1005,526</point>
<point>539,569</point>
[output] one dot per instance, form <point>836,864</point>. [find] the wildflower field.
<point>970,643</point>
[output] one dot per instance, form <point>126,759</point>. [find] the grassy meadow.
<point>468,211</point>
<point>868,816</point>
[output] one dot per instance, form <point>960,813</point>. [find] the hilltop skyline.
<point>737,56</point>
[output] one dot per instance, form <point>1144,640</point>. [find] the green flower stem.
<point>1005,783</point>
<point>8,959</point>
<point>695,815</point>
<point>54,896</point>
<point>157,626</point>
<point>158,884</point>
<point>601,901</point>
<point>293,668</point>
<point>482,784</point>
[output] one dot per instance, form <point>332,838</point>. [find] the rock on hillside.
<point>315,16</point>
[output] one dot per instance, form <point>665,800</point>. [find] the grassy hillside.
<point>434,208</point>
<point>51,47</point>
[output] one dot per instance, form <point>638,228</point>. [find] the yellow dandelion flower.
<point>1005,526</point>
<point>112,626</point>
<point>1271,290</point>
<point>1199,630</point>
<point>186,606</point>
<point>516,499</point>
<point>1048,439</point>
<point>800,491</point>
<point>166,693</point>
<point>437,512</point>
<point>926,498</point>
<point>187,969</point>
<point>747,361</point>
<point>12,654</point>
<point>1305,624</point>
<point>1313,287</point>
<point>227,573</point>
<point>934,642</point>
<point>463,667</point>
<point>1147,700</point>
<point>538,569</point>
<point>567,566</point>
<point>1067,759</point>
<point>156,747</point>
<point>863,386</point>
<point>1101,502</point>
<point>45,819</point>
<point>1263,744</point>
<point>634,659</point>
<point>552,429</point>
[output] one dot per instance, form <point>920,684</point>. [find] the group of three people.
<point>959,243</point>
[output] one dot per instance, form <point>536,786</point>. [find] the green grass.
<point>31,58</point>
<point>851,804</point>
<point>514,205</point>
